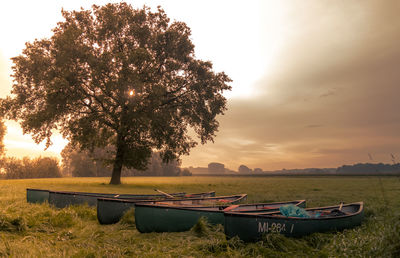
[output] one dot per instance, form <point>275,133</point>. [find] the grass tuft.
<point>201,228</point>
<point>84,212</point>
<point>129,218</point>
<point>64,218</point>
<point>11,224</point>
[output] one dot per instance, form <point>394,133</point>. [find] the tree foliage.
<point>119,76</point>
<point>84,163</point>
<point>244,169</point>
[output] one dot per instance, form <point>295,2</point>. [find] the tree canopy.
<point>118,76</point>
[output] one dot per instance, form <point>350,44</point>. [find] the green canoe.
<point>180,216</point>
<point>110,210</point>
<point>251,227</point>
<point>37,195</point>
<point>170,218</point>
<point>61,199</point>
<point>41,195</point>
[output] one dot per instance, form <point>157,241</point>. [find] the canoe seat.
<point>230,207</point>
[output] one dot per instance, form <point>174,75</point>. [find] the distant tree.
<point>156,167</point>
<point>185,172</point>
<point>114,75</point>
<point>244,169</point>
<point>83,163</point>
<point>13,168</point>
<point>258,170</point>
<point>216,168</point>
<point>46,167</point>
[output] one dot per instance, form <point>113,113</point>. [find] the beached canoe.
<point>111,210</point>
<point>251,227</point>
<point>171,218</point>
<point>61,199</point>
<point>42,195</point>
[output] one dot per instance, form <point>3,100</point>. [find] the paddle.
<point>341,206</point>
<point>170,196</point>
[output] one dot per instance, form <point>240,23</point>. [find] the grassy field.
<point>28,230</point>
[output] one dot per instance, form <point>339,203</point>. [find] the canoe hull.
<point>251,228</point>
<point>37,195</point>
<point>110,211</point>
<point>63,199</point>
<point>160,219</point>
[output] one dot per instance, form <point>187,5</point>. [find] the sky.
<point>315,83</point>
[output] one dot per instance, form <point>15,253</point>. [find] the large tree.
<point>115,75</point>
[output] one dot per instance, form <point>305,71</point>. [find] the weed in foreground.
<point>10,224</point>
<point>201,228</point>
<point>129,218</point>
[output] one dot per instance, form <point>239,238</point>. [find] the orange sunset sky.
<point>315,83</point>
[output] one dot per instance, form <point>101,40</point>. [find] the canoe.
<point>41,195</point>
<point>36,195</point>
<point>251,227</point>
<point>111,210</point>
<point>61,199</point>
<point>147,217</point>
<point>169,218</point>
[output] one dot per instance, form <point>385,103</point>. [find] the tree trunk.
<point>119,158</point>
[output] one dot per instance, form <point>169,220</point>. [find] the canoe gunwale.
<point>272,215</point>
<point>298,202</point>
<point>37,190</point>
<point>164,198</point>
<point>110,194</point>
<point>196,195</point>
<point>205,208</point>
<point>240,198</point>
<point>188,207</point>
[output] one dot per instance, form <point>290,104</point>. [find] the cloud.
<point>332,97</point>
<point>18,145</point>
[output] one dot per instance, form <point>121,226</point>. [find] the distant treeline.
<point>98,164</point>
<point>78,164</point>
<point>370,169</point>
<point>85,164</point>
<point>356,169</point>
<point>42,167</point>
